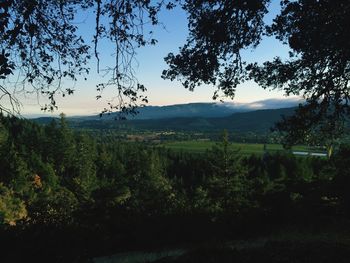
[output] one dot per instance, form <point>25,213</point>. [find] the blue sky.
<point>151,64</point>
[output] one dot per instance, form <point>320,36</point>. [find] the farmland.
<point>200,146</point>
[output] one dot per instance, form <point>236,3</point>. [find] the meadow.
<point>200,146</point>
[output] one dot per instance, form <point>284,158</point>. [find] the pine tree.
<point>228,183</point>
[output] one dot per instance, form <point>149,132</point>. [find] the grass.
<point>245,148</point>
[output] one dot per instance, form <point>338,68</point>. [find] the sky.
<point>150,66</point>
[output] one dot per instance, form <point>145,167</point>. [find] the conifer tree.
<point>228,183</point>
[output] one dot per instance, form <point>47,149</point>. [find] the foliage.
<point>316,33</point>
<point>12,208</point>
<point>218,31</point>
<point>227,184</point>
<point>41,46</point>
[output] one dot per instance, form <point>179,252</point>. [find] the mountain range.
<point>257,117</point>
<point>205,110</point>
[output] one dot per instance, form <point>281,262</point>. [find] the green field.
<point>245,148</point>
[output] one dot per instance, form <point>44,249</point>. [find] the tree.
<point>3,135</point>
<point>12,208</point>
<point>53,206</point>
<point>60,146</point>
<point>40,44</point>
<point>307,126</point>
<point>83,173</point>
<point>151,191</point>
<point>228,184</point>
<point>218,31</point>
<point>316,32</point>
<point>318,69</point>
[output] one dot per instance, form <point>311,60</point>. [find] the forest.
<point>68,197</point>
<point>70,194</point>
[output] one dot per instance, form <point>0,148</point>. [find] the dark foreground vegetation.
<point>68,197</point>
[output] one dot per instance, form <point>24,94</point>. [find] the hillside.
<point>259,121</point>
<point>203,109</point>
<point>253,121</point>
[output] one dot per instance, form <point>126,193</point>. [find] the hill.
<point>258,121</point>
<point>203,110</point>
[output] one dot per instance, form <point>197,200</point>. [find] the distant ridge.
<point>259,121</point>
<point>200,109</point>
